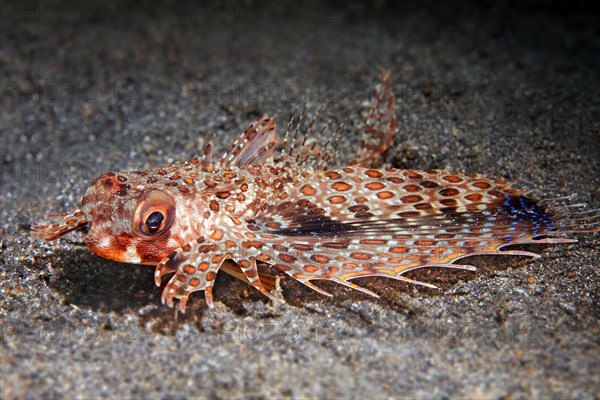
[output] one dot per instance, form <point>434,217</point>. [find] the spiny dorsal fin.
<point>307,148</point>
<point>255,145</point>
<point>207,157</point>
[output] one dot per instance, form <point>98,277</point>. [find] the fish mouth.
<point>116,248</point>
<point>120,256</point>
<point>110,254</point>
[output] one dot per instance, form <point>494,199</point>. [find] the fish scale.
<point>294,212</point>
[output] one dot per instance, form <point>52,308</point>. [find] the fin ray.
<point>67,223</point>
<point>254,146</point>
<point>380,126</point>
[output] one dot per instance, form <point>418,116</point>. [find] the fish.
<point>293,211</point>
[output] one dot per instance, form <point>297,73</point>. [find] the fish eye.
<point>154,214</point>
<point>154,220</point>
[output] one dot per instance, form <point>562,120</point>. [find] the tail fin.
<point>567,218</point>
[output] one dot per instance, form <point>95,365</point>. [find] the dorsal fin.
<point>206,159</point>
<point>380,125</point>
<point>255,145</point>
<point>307,146</point>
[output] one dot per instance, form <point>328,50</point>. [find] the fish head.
<point>135,217</point>
<point>133,221</point>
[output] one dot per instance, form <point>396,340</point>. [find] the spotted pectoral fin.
<point>343,260</point>
<point>380,126</point>
<point>66,223</point>
<point>250,270</point>
<point>268,282</point>
<point>255,145</point>
<point>309,244</point>
<point>196,265</point>
<point>308,263</point>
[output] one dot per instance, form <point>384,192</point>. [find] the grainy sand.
<point>101,86</point>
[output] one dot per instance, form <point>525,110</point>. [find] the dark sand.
<point>92,88</point>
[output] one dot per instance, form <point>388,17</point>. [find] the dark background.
<point>511,90</point>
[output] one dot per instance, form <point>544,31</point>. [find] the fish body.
<point>298,215</point>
